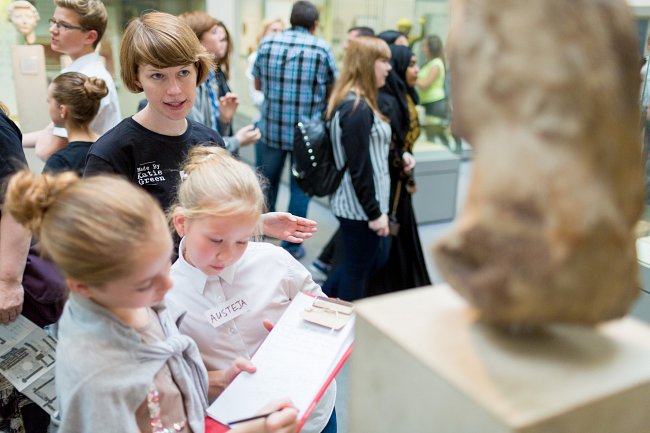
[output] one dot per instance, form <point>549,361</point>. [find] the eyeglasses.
<point>59,25</point>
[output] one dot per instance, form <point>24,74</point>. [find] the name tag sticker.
<point>226,311</point>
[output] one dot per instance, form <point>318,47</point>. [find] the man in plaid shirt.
<point>296,71</point>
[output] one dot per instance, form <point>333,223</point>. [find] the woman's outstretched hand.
<point>288,227</point>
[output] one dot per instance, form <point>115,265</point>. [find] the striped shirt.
<point>294,68</point>
<point>361,138</point>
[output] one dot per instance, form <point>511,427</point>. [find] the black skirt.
<point>406,267</point>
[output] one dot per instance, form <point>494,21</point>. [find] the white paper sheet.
<point>42,392</point>
<point>295,362</point>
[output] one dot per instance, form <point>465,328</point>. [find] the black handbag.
<point>314,167</point>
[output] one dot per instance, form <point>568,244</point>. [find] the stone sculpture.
<point>24,16</point>
<point>547,92</point>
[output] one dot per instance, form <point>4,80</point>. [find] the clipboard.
<point>298,360</point>
<point>214,426</point>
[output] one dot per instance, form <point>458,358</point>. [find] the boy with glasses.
<point>76,28</point>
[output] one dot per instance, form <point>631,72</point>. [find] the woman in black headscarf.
<point>406,267</point>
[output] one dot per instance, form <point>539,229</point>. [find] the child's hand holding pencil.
<point>276,417</point>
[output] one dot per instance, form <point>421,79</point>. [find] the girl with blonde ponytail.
<point>121,363</point>
<point>73,100</point>
<point>219,209</point>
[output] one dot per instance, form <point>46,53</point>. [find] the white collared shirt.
<point>109,114</point>
<point>268,278</point>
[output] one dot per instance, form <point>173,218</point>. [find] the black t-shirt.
<point>146,158</point>
<point>12,156</point>
<point>71,157</point>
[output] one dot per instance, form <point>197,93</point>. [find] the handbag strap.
<point>398,191</point>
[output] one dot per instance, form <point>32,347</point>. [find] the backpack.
<point>314,168</point>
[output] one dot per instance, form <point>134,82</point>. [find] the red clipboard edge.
<point>214,426</point>
<point>329,380</point>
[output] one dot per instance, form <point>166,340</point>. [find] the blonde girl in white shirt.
<point>242,283</point>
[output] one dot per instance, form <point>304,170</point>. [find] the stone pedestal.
<point>422,362</point>
<point>436,177</point>
<point>31,86</point>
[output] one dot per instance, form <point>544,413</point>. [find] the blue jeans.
<point>363,253</point>
<point>270,163</point>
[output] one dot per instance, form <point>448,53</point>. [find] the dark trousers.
<point>270,162</point>
<point>363,253</point>
<point>332,252</point>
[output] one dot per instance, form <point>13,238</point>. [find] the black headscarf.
<point>390,36</point>
<point>400,59</point>
<point>392,97</point>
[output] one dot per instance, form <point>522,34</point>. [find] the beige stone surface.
<point>547,92</point>
<point>28,66</point>
<point>423,362</point>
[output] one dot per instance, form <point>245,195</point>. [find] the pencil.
<point>251,418</point>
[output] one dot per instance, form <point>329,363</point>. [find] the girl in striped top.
<point>360,138</point>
